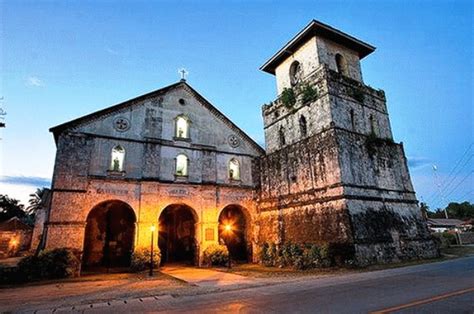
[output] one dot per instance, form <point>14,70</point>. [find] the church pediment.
<point>155,116</point>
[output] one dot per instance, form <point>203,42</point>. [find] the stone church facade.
<point>330,173</point>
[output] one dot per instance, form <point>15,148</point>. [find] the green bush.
<point>216,254</point>
<point>288,97</point>
<point>445,239</point>
<point>309,93</point>
<point>50,264</point>
<point>268,254</point>
<point>8,275</point>
<point>307,256</point>
<point>141,259</point>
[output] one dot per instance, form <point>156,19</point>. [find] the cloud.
<point>112,51</point>
<point>29,181</point>
<point>34,81</point>
<point>418,162</point>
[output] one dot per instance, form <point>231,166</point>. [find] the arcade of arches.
<point>111,234</point>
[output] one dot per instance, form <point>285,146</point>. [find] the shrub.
<point>59,263</point>
<point>445,239</point>
<point>289,255</point>
<point>309,93</point>
<point>8,274</point>
<point>288,97</point>
<point>51,264</point>
<point>141,259</point>
<point>216,254</point>
<point>268,254</point>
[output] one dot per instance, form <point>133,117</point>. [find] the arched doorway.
<point>177,234</point>
<point>109,235</point>
<point>233,232</point>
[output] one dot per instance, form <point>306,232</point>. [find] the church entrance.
<point>109,235</point>
<point>233,232</point>
<point>176,234</point>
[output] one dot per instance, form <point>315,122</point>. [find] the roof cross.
<point>183,73</point>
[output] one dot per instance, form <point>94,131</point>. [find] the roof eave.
<point>312,29</point>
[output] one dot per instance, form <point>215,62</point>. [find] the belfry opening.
<point>176,239</point>
<point>109,235</point>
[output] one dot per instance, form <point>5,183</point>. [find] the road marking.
<point>424,301</point>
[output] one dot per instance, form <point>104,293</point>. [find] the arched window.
<point>341,64</point>
<point>118,156</point>
<point>303,126</point>
<point>234,169</point>
<point>295,73</point>
<point>182,127</point>
<point>281,134</point>
<point>181,165</point>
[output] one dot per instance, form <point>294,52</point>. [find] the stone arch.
<point>295,73</point>
<point>109,235</point>
<point>341,65</point>
<point>177,228</point>
<point>235,231</point>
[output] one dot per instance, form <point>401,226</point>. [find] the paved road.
<point>446,287</point>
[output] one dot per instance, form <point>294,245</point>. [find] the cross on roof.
<point>183,73</point>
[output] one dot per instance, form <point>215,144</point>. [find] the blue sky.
<point>61,60</point>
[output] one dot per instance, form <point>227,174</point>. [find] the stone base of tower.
<point>389,232</point>
<point>340,190</point>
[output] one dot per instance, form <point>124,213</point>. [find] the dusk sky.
<point>62,60</point>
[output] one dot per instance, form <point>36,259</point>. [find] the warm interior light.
<point>228,227</point>
<point>152,228</point>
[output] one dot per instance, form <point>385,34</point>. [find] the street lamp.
<point>152,229</point>
<point>228,231</point>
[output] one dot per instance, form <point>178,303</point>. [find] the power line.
<point>436,194</point>
<point>460,182</point>
<point>463,197</point>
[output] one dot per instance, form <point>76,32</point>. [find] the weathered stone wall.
<point>317,52</point>
<point>342,102</point>
<point>327,51</point>
<point>306,55</point>
<point>300,193</point>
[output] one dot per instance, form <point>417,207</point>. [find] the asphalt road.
<point>446,287</point>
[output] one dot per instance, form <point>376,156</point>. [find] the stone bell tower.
<point>333,174</point>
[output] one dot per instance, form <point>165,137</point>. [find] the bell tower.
<point>333,174</point>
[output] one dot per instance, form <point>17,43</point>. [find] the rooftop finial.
<point>183,73</point>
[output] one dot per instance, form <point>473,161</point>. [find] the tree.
<point>35,201</point>
<point>463,211</point>
<point>10,207</point>
<point>424,210</point>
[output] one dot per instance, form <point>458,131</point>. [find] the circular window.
<point>182,101</point>
<point>295,73</point>
<point>233,141</point>
<point>121,124</point>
